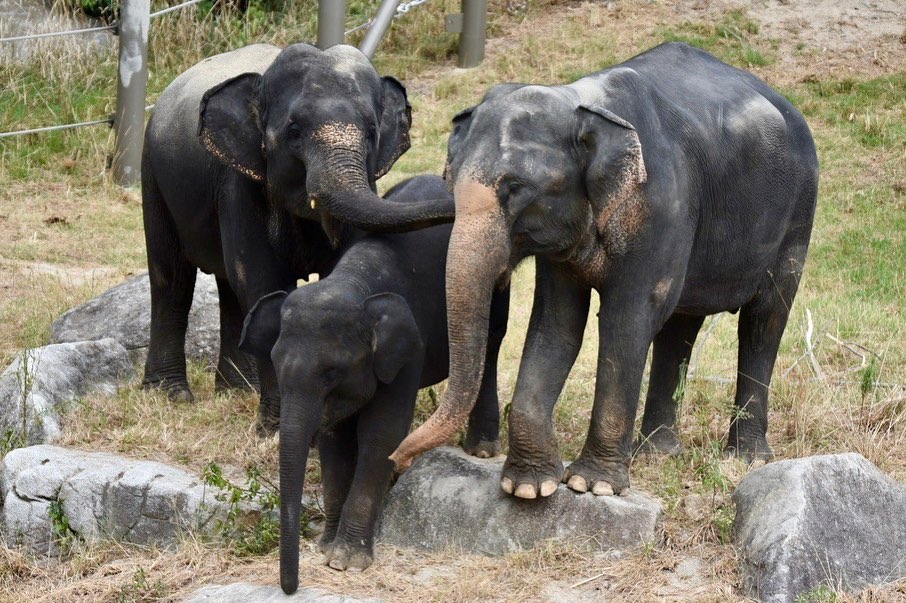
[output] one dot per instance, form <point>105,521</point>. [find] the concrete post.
<point>474,28</point>
<point>378,27</point>
<point>132,84</point>
<point>331,23</point>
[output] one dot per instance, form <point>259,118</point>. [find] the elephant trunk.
<point>338,181</point>
<point>299,421</point>
<point>478,254</point>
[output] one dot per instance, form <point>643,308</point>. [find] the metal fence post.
<point>378,27</point>
<point>331,23</point>
<point>132,84</point>
<point>474,28</point>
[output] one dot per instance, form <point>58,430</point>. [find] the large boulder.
<point>40,382</point>
<point>101,495</point>
<point>254,593</point>
<point>832,520</point>
<point>124,313</point>
<point>449,500</point>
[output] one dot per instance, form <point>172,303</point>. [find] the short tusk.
<point>314,202</point>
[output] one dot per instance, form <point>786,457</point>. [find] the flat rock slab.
<point>40,382</point>
<point>103,496</point>
<point>124,313</point>
<point>832,520</point>
<point>449,500</point>
<point>254,593</point>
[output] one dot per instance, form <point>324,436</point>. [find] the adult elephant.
<point>256,164</point>
<point>674,185</point>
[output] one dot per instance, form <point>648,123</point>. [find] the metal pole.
<point>132,85</point>
<point>474,27</point>
<point>331,22</point>
<point>378,27</point>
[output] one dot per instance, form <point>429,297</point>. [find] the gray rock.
<point>124,313</point>
<point>40,382</point>
<point>449,500</point>
<point>254,593</point>
<point>832,520</point>
<point>103,496</point>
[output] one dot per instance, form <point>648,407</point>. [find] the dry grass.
<point>853,288</point>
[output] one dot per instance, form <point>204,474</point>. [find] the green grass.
<point>730,39</point>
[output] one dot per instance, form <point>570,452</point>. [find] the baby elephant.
<point>351,352</point>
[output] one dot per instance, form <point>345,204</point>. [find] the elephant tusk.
<point>314,202</point>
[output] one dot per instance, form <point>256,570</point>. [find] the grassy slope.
<point>853,288</point>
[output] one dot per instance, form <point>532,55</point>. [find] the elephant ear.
<point>262,325</point>
<point>395,338</point>
<point>462,121</point>
<point>228,125</point>
<point>396,119</point>
<point>614,165</point>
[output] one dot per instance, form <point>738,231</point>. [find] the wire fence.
<point>132,28</point>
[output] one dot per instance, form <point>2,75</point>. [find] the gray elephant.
<point>258,165</point>
<point>674,185</point>
<point>351,352</point>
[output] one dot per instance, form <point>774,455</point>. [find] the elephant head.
<point>317,128</point>
<point>331,349</point>
<point>534,171</point>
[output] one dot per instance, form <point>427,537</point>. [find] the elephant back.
<point>176,112</point>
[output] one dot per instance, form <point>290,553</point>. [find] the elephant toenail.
<point>507,485</point>
<point>577,483</point>
<point>336,564</point>
<point>548,487</point>
<point>602,488</point>
<point>526,491</point>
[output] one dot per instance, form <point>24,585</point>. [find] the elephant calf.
<point>351,352</point>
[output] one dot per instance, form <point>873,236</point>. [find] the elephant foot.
<point>529,480</point>
<point>601,478</point>
<point>268,418</point>
<point>177,390</point>
<point>749,448</point>
<point>662,440</point>
<point>345,557</point>
<point>483,449</point>
<point>240,375</point>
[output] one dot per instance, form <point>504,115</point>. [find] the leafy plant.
<point>65,536</point>
<point>262,535</point>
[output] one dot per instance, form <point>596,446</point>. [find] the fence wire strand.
<point>52,34</point>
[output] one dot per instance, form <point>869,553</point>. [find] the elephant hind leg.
<point>235,369</point>
<point>672,348</point>
<point>172,280</point>
<point>761,324</point>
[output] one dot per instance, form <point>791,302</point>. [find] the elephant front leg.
<point>337,449</point>
<point>624,337</point>
<point>381,426</point>
<point>559,314</point>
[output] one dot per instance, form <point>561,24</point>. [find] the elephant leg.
<point>672,348</point>
<point>172,280</point>
<point>382,425</point>
<point>338,450</point>
<point>559,315</point>
<point>483,434</point>
<point>269,405</point>
<point>253,270</point>
<point>235,369</point>
<point>626,327</point>
<point>761,324</point>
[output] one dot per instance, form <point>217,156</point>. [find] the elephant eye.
<point>294,131</point>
